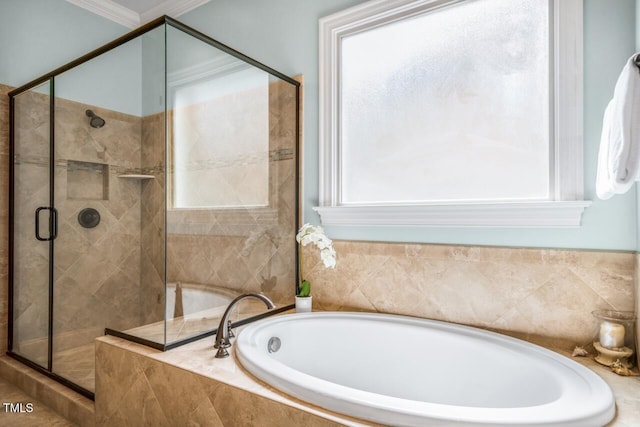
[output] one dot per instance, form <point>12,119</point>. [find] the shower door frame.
<point>51,238</point>
<point>50,77</point>
<point>52,227</point>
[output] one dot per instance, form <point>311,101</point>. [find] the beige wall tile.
<point>531,292</point>
<point>135,388</point>
<point>637,309</point>
<point>86,259</point>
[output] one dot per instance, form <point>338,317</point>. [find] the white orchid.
<point>315,234</point>
<point>328,256</point>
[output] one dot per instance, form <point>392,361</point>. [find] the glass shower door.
<point>33,225</point>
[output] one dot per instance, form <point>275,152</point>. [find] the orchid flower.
<point>315,234</point>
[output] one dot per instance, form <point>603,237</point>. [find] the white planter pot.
<point>303,304</point>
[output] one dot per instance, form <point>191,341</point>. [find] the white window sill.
<point>565,214</point>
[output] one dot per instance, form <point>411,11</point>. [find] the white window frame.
<point>566,205</point>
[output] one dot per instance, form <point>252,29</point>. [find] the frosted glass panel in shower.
<point>449,105</point>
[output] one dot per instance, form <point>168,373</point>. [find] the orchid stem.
<point>301,278</point>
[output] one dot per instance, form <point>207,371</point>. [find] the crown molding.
<point>110,10</point>
<point>171,8</point>
<point>129,18</point>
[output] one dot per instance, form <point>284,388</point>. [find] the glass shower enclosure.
<point>153,180</point>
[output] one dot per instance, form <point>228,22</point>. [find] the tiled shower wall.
<point>152,221</point>
<point>96,270</point>
<point>543,295</point>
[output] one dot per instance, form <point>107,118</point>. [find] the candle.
<point>611,335</point>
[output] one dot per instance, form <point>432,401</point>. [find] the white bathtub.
<point>404,371</point>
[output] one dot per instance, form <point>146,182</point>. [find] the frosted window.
<point>449,105</point>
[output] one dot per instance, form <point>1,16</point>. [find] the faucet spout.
<point>222,336</point>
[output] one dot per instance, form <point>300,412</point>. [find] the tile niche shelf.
<point>87,180</point>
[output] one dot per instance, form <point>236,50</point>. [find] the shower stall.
<point>151,181</point>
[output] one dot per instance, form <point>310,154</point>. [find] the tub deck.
<point>189,383</point>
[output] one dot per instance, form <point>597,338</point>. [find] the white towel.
<point>619,156</point>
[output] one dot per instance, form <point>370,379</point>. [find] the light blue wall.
<point>113,80</point>
<point>38,35</point>
<point>609,39</point>
<point>638,187</point>
<point>284,35</point>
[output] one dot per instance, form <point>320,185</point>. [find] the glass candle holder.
<point>615,339</point>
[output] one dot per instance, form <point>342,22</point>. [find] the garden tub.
<point>405,371</point>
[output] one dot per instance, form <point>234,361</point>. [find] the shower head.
<point>94,120</point>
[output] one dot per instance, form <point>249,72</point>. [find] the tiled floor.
<point>40,415</point>
<point>77,365</point>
